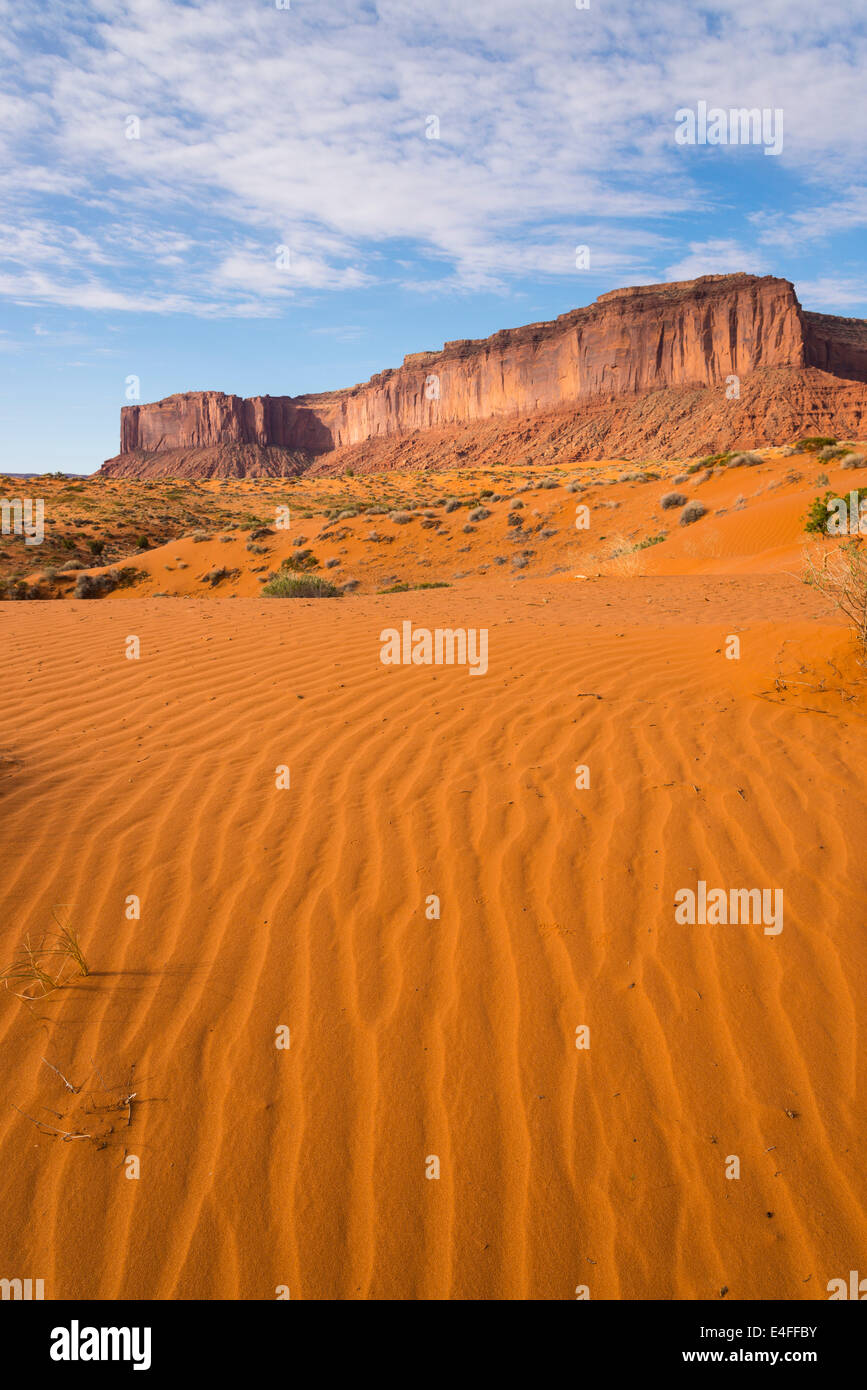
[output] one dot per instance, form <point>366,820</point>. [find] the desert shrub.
<point>401,518</point>
<point>711,461</point>
<point>817,513</point>
<point>819,510</point>
<point>218,574</point>
<point>302,560</point>
<point>404,587</point>
<point>854,461</point>
<point>300,586</point>
<point>332,563</point>
<point>693,511</point>
<point>672,499</point>
<point>14,590</point>
<point>745,460</point>
<point>841,573</point>
<point>479,514</point>
<point>452,504</point>
<point>94,585</point>
<point>814,442</point>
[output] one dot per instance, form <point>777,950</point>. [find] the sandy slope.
<point>753,524</point>
<point>411,1037</point>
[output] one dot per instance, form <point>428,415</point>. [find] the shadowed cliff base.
<point>776,405</point>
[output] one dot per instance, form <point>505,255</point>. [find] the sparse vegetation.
<point>841,573</point>
<point>42,967</point>
<point>814,442</point>
<point>693,511</point>
<point>300,586</point>
<point>405,588</point>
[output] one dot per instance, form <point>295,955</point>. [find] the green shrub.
<point>300,586</point>
<point>301,561</point>
<point>404,588</point>
<point>819,512</point>
<point>814,442</point>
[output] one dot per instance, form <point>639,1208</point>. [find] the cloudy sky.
<point>229,194</point>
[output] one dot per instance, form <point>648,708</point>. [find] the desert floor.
<point>304,908</point>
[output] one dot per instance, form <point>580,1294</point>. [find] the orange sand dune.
<point>753,524</point>
<point>559,1167</point>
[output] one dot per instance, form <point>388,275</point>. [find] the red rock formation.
<point>692,334</point>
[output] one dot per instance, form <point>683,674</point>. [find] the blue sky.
<point>308,128</point>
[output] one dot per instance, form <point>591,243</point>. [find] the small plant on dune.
<point>405,588</point>
<point>27,971</point>
<point>814,442</point>
<point>693,511</point>
<point>300,586</point>
<point>68,944</point>
<point>820,509</point>
<point>841,573</point>
<point>745,460</point>
<point>302,560</point>
<point>712,461</point>
<point>34,966</point>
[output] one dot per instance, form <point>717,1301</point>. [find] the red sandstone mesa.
<point>629,345</point>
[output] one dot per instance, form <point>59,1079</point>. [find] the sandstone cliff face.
<point>836,345</point>
<point>629,342</point>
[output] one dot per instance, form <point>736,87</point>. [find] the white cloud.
<point>307,127</point>
<point>833,294</point>
<point>717,256</point>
